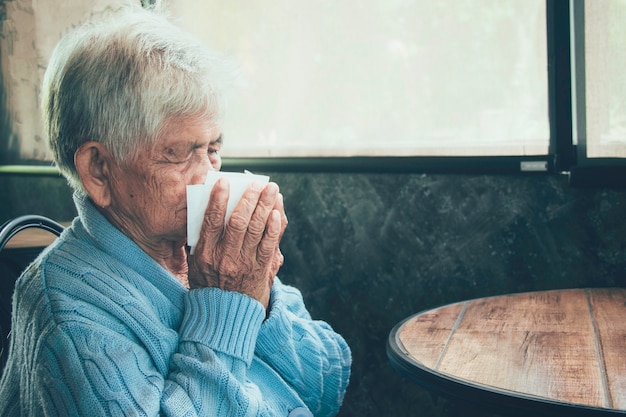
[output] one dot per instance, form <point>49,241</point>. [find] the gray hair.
<point>119,81</point>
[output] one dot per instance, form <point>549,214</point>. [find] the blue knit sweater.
<point>101,329</point>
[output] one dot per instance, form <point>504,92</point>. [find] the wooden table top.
<point>562,350</point>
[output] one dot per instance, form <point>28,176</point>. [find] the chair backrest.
<point>13,264</point>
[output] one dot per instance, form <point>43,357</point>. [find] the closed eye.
<point>216,145</point>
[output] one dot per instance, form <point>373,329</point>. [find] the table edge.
<point>480,394</point>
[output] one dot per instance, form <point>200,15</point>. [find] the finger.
<point>237,226</point>
<point>278,261</point>
<point>258,222</point>
<point>267,247</point>
<point>280,206</point>
<point>213,221</point>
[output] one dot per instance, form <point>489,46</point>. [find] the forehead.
<point>189,129</point>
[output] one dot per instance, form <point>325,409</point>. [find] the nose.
<point>216,160</point>
<point>200,171</point>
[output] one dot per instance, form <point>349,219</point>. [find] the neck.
<point>174,260</point>
<point>170,254</point>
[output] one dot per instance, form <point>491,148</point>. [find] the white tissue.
<point>198,198</point>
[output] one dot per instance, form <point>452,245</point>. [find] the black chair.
<point>11,266</point>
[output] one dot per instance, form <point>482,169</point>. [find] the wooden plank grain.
<point>608,307</point>
<point>424,337</point>
<point>540,344</point>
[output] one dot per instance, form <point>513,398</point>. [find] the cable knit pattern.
<point>100,329</point>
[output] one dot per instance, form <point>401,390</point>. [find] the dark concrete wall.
<point>368,250</point>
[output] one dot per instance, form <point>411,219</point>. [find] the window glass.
<point>604,79</point>
<point>384,78</point>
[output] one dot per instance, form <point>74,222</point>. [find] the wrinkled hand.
<point>243,255</point>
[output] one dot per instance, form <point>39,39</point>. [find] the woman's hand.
<point>243,255</point>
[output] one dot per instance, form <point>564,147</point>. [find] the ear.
<point>93,163</point>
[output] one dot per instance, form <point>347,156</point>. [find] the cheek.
<point>165,206</point>
<point>145,190</point>
<point>153,196</point>
<point>170,195</point>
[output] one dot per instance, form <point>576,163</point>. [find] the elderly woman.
<point>116,318</point>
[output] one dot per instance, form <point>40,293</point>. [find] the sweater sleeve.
<point>116,359</point>
<point>216,347</point>
<point>308,353</point>
<point>89,365</point>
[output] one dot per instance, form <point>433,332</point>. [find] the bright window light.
<point>381,78</point>
<point>604,133</point>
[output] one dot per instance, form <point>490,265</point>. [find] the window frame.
<point>585,171</point>
<point>565,34</point>
<point>560,130</point>
<point>563,157</point>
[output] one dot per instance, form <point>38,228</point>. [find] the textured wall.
<point>29,30</point>
<point>21,63</point>
<point>370,249</point>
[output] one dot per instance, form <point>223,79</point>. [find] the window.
<point>382,78</point>
<point>424,86</point>
<point>598,87</point>
<point>600,80</point>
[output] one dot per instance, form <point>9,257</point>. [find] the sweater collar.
<point>116,244</point>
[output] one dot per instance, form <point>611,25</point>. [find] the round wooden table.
<point>560,352</point>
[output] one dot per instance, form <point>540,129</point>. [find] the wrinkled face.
<point>148,194</point>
